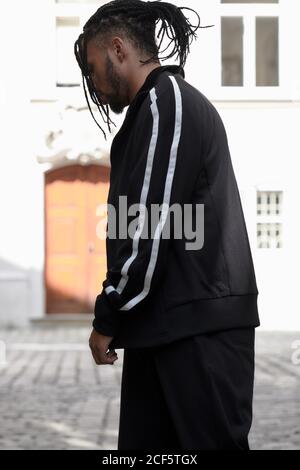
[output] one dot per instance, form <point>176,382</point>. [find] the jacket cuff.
<point>107,320</point>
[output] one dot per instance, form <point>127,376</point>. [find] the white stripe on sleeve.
<point>166,199</point>
<point>143,199</point>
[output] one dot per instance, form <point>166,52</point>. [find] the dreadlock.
<point>138,20</point>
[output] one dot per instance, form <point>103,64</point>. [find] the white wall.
<point>20,180</point>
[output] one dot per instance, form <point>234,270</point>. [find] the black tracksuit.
<point>172,149</point>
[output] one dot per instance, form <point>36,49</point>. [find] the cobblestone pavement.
<point>53,395</point>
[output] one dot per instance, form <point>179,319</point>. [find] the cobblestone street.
<point>53,395</point>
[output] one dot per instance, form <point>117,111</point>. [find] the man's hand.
<point>99,346</point>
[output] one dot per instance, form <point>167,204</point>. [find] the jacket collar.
<point>153,75</point>
<point>151,81</point>
<point>145,88</point>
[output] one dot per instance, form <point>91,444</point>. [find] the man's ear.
<point>119,48</point>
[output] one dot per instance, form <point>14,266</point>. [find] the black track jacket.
<point>172,149</point>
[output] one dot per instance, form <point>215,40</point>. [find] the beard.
<point>117,100</point>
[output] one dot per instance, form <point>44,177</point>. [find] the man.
<point>184,313</point>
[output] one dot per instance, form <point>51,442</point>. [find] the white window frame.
<point>271,219</point>
<point>249,90</point>
<point>83,12</point>
<point>66,85</point>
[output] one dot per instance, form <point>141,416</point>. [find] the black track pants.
<point>195,393</point>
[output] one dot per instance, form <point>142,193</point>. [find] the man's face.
<point>110,86</point>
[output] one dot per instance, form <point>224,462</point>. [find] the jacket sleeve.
<point>163,172</point>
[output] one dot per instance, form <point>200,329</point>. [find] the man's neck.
<point>139,78</point>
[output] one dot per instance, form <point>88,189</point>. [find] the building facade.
<point>55,161</point>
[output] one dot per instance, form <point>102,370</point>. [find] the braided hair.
<point>138,20</point>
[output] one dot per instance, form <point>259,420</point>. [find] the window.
<point>77,1</point>
<point>250,44</point>
<point>267,51</point>
<point>269,213</point>
<point>67,70</point>
<point>232,51</point>
<point>249,1</point>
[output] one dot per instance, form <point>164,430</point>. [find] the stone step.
<point>58,319</point>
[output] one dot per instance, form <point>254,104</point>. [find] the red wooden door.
<point>75,256</point>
